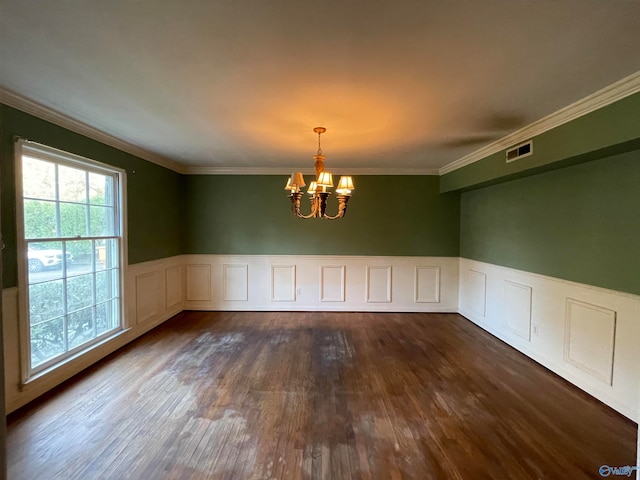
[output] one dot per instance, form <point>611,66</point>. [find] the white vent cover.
<point>520,151</point>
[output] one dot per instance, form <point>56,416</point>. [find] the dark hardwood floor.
<point>317,396</point>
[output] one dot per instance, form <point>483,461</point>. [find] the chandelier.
<point>317,190</point>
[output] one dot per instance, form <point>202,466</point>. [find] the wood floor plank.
<point>316,395</point>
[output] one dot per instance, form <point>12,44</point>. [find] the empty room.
<point>320,240</point>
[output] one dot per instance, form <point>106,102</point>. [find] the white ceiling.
<point>404,84</point>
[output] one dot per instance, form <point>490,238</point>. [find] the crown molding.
<point>614,92</point>
<point>195,170</point>
<point>15,100</point>
<point>608,95</point>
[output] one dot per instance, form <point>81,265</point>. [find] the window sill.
<point>76,363</point>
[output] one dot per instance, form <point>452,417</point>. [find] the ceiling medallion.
<point>317,190</point>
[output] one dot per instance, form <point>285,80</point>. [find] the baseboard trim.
<point>556,369</point>
<point>591,346</point>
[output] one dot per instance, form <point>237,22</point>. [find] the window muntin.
<point>72,240</point>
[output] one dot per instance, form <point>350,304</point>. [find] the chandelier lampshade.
<point>325,179</point>
<point>345,185</point>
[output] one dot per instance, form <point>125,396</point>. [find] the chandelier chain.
<point>319,148</point>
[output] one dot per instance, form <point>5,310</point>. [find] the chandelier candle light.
<point>317,190</point>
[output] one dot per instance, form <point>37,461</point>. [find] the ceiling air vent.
<point>522,150</point>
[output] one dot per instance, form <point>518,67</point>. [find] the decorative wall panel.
<point>332,283</point>
<point>199,283</point>
<point>283,283</point>
<point>477,292</point>
<point>427,285</point>
<point>517,309</point>
<point>147,287</point>
<point>236,282</point>
<point>173,291</point>
<point>378,284</point>
<point>590,338</point>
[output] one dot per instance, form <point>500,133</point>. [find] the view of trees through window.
<point>72,238</point>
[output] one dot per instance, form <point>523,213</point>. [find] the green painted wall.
<point>387,215</point>
<point>608,131</point>
<point>169,214</point>
<point>569,211</point>
<point>154,193</point>
<point>579,223</point>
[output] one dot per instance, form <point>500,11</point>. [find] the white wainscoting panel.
<point>283,283</point>
<point>561,313</point>
<point>147,286</point>
<point>590,338</point>
<point>235,282</point>
<point>378,284</point>
<point>585,334</point>
<point>332,283</point>
<point>198,282</point>
<point>174,292</point>
<point>154,292</point>
<point>477,292</point>
<point>427,287</point>
<point>517,309</point>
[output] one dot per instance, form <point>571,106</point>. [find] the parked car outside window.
<point>41,257</point>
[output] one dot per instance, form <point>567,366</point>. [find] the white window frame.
<point>29,374</point>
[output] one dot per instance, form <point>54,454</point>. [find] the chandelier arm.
<point>313,214</point>
<point>295,206</point>
<point>342,208</point>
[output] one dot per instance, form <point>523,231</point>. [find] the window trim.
<point>28,374</point>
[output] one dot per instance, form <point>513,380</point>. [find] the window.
<point>72,243</point>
